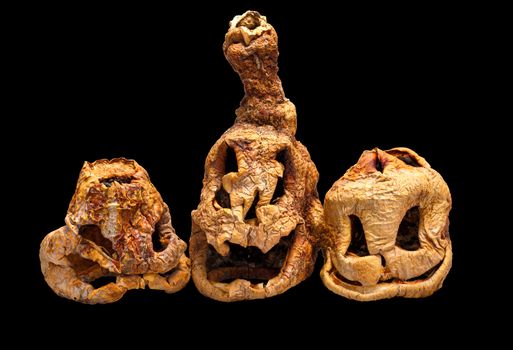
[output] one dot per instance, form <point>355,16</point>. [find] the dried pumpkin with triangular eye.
<point>255,230</point>
<point>388,228</point>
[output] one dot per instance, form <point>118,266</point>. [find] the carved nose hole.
<point>251,214</point>
<point>358,244</point>
<point>408,233</point>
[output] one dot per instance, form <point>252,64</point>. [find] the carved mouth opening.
<point>90,272</point>
<point>407,239</point>
<point>426,275</point>
<point>102,281</point>
<point>423,277</point>
<point>248,263</point>
<point>339,278</point>
<point>120,179</point>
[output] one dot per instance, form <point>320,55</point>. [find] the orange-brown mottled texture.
<point>256,228</point>
<point>111,219</point>
<point>388,228</point>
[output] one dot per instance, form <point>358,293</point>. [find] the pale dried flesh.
<point>387,228</point>
<point>118,229</point>
<point>255,230</point>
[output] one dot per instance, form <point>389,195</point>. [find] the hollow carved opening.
<point>120,179</point>
<point>230,161</point>
<point>358,244</point>
<point>93,233</point>
<point>248,263</point>
<point>405,157</point>
<point>408,233</point>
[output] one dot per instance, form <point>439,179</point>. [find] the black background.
<point>152,84</point>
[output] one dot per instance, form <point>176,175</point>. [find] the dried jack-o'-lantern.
<point>117,226</point>
<point>388,224</point>
<point>254,230</point>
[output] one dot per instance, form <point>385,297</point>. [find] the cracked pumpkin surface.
<point>387,228</point>
<point>117,228</point>
<point>256,228</point>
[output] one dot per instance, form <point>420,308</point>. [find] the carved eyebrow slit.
<point>405,157</point>
<point>120,179</point>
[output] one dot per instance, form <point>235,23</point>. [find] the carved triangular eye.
<point>230,161</point>
<point>283,157</point>
<point>279,191</point>
<point>408,234</point>
<point>158,246</point>
<point>358,244</point>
